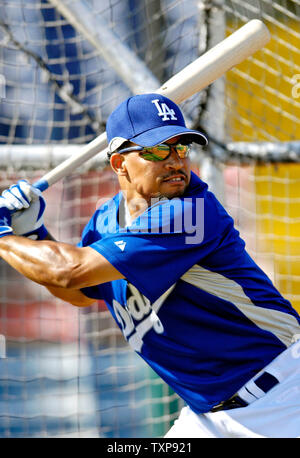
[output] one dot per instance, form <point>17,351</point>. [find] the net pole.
<point>126,63</point>
<point>130,68</point>
<point>213,20</point>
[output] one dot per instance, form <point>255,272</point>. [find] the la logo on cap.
<point>164,111</point>
<point>147,120</point>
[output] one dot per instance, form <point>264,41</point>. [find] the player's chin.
<point>171,190</point>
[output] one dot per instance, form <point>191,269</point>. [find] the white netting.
<point>59,88</point>
<point>262,97</point>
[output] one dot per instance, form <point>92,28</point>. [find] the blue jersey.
<point>193,304</point>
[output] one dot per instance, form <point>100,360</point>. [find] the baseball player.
<point>165,257</point>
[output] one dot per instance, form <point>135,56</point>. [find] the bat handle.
<point>41,184</point>
<point>99,144</point>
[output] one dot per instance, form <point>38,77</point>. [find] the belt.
<point>262,384</point>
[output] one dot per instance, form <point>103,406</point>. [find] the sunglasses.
<point>158,152</point>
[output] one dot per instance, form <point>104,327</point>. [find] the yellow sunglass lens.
<point>182,148</point>
<point>161,152</point>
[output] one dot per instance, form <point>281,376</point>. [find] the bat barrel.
<point>214,63</point>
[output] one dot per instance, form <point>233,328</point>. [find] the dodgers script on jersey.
<point>203,315</point>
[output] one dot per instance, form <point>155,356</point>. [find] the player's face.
<point>146,179</point>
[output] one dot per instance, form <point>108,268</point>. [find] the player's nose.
<point>174,161</point>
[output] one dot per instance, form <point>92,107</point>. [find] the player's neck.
<point>136,205</point>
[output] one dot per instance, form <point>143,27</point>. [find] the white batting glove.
<point>28,207</point>
<point>5,218</point>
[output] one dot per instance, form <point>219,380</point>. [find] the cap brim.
<point>161,134</point>
<point>115,143</point>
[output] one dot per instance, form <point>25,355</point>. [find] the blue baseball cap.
<point>147,120</point>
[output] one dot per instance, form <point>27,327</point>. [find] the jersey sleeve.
<point>164,243</point>
<point>89,235</point>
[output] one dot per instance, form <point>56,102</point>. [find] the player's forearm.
<point>33,266</point>
<point>57,264</point>
<point>74,297</point>
<point>46,262</point>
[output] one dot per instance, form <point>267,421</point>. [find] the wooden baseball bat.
<point>193,78</point>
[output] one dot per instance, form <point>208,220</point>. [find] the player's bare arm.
<point>60,267</point>
<point>57,264</point>
<point>73,296</point>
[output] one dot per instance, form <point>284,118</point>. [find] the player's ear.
<point>117,162</point>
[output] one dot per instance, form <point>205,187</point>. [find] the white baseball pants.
<point>275,414</point>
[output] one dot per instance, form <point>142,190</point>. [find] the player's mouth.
<point>175,179</point>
